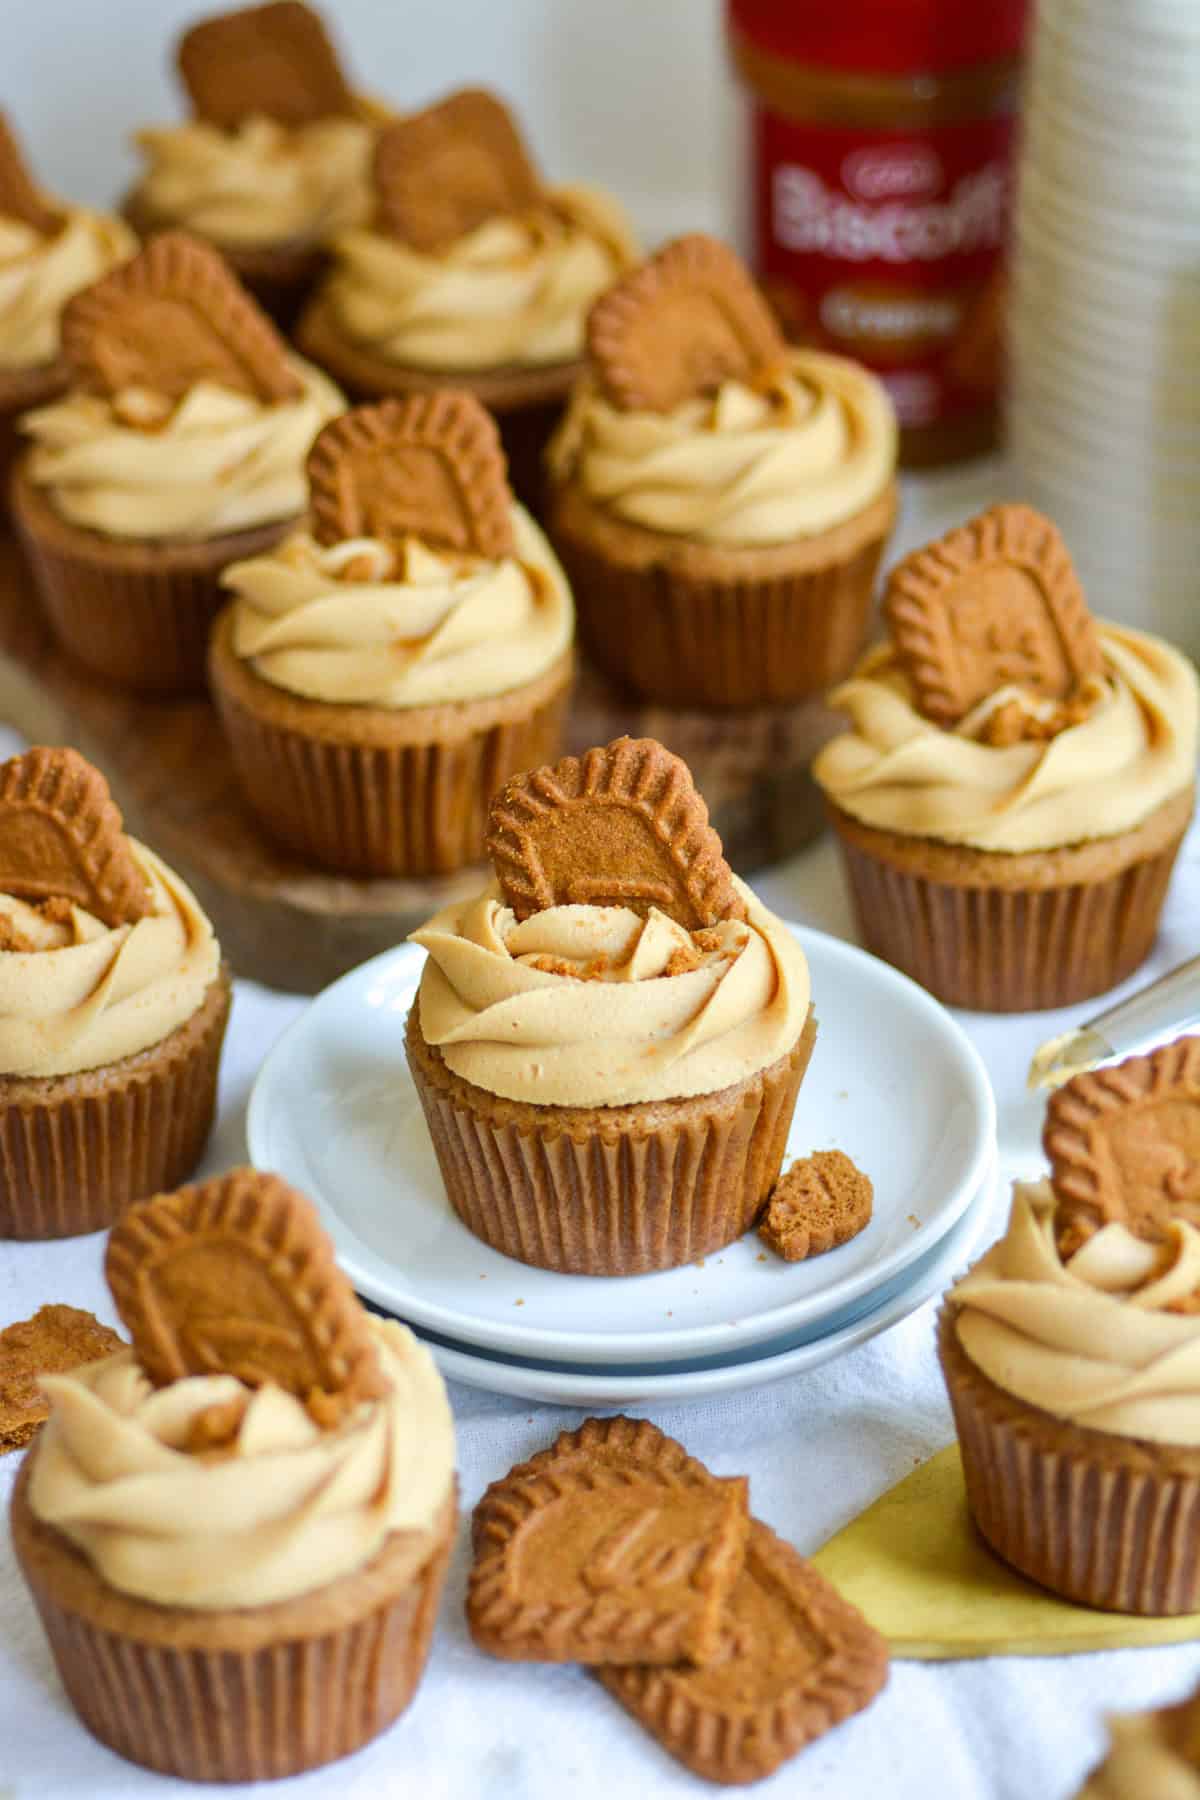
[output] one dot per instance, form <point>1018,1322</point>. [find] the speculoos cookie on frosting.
<point>615,1022</point>
<point>472,272</point>
<point>275,159</point>
<point>1071,1351</point>
<point>179,448</point>
<point>388,666</point>
<point>113,1006</point>
<point>48,251</point>
<point>252,1505</point>
<point>1017,775</point>
<point>720,499</point>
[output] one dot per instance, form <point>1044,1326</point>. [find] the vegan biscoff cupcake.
<point>276,157</point>
<point>720,500</point>
<point>1017,776</point>
<point>379,676</point>
<point>48,251</point>
<point>236,1530</point>
<point>608,1041</point>
<point>179,449</point>
<point>471,273</point>
<point>1071,1351</point>
<point>113,1006</point>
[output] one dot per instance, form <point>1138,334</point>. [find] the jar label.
<point>888,246</point>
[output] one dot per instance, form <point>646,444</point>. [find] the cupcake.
<point>276,158</point>
<point>47,253</point>
<point>179,449</point>
<point>1071,1351</point>
<point>608,1041</point>
<point>720,501</point>
<point>1017,776</point>
<point>236,1530</point>
<point>113,1005</point>
<point>380,675</point>
<point>1152,1755</point>
<point>470,274</point>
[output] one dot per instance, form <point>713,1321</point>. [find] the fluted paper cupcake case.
<point>247,1695</point>
<point>1073,929</point>
<point>1108,1522</point>
<point>364,791</point>
<point>76,1150</point>
<point>608,1190</point>
<point>138,613</point>
<point>686,625</point>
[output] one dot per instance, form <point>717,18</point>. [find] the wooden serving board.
<point>294,927</point>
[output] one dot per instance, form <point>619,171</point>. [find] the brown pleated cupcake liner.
<point>380,808</point>
<point>185,1695</point>
<point>668,635</point>
<point>1009,949</point>
<point>1102,1521</point>
<point>615,1190</point>
<point>137,613</point>
<point>76,1150</point>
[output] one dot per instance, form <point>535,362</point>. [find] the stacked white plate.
<point>1105,319</point>
<point>894,1082</point>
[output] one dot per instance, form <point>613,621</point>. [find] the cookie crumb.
<point>821,1203</point>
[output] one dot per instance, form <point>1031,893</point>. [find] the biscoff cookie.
<point>796,1659</point>
<point>56,1339</point>
<point>427,466</point>
<point>993,603</point>
<point>442,172</point>
<point>622,825</point>
<point>685,321</point>
<point>171,316</point>
<point>822,1202</point>
<point>237,1276</point>
<point>62,838</point>
<point>1124,1146</point>
<point>613,1546</point>
<point>275,61</point>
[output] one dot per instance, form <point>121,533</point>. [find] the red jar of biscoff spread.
<point>882,153</point>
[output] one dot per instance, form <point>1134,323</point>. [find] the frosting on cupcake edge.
<point>39,272</point>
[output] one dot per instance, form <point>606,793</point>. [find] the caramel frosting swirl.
<point>259,185</point>
<point>218,462</point>
<point>285,1510</point>
<point>40,271</point>
<point>84,994</point>
<point>513,292</point>
<point>596,1006</point>
<point>1134,749</point>
<point>812,447</point>
<point>1093,1340</point>
<point>352,623</point>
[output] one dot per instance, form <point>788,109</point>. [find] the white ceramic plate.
<point>894,1082</point>
<point>606,1386</point>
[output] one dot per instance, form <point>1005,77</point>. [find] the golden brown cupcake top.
<point>103,951</point>
<point>1000,715</point>
<point>1089,1306</point>
<point>272,1435</point>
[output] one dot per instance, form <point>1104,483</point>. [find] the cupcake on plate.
<point>48,251</point>
<point>179,448</point>
<point>236,1530</point>
<point>276,158</point>
<point>471,274</point>
<point>381,673</point>
<point>720,500</point>
<point>113,1006</point>
<point>1071,1351</point>
<point>1152,1755</point>
<point>608,1041</point>
<point>1017,776</point>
